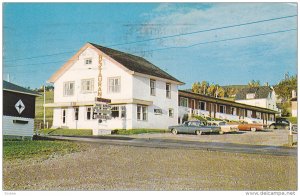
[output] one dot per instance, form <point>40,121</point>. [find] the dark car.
<point>194,127</point>
<point>281,123</point>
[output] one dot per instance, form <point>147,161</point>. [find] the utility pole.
<point>44,106</point>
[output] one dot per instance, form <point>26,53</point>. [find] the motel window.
<point>222,108</point>
<point>114,85</point>
<point>258,115</point>
<point>152,87</point>
<point>141,112</point>
<point>233,111</point>
<point>88,61</point>
<point>202,105</point>
<point>88,113</point>
<point>183,102</point>
<point>242,112</point>
<point>249,113</point>
<point>171,112</point>
<point>168,90</point>
<point>87,85</point>
<point>158,111</point>
<point>250,95</point>
<point>69,88</point>
<point>76,111</point>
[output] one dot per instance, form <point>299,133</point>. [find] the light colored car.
<point>194,127</point>
<point>225,128</point>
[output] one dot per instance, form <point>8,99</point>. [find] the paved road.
<point>170,143</point>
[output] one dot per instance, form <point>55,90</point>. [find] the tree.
<point>285,87</point>
<point>196,87</point>
<point>200,88</point>
<point>254,83</point>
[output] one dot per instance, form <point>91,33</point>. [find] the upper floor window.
<point>168,90</point>
<point>152,87</point>
<point>250,95</point>
<point>88,61</point>
<point>87,85</point>
<point>183,102</point>
<point>114,85</point>
<point>69,88</point>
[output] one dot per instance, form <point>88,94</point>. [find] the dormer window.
<point>88,61</point>
<point>250,96</point>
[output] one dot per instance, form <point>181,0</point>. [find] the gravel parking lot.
<point>106,167</point>
<point>277,137</point>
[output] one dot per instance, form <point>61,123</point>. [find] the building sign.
<point>102,111</point>
<point>20,106</point>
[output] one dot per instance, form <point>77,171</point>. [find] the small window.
<point>222,109</point>
<point>168,90</point>
<point>250,96</point>
<point>115,112</point>
<point>88,113</point>
<point>87,85</point>
<point>157,111</point>
<point>202,105</point>
<point>171,112</point>
<point>69,88</point>
<point>123,111</point>
<point>88,61</point>
<point>114,85</point>
<point>183,102</point>
<point>64,116</point>
<point>152,87</point>
<point>76,111</point>
<point>141,112</point>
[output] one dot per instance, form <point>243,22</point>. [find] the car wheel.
<point>272,127</point>
<point>253,129</point>
<point>174,131</point>
<point>198,132</point>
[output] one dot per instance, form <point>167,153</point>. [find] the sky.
<point>191,41</point>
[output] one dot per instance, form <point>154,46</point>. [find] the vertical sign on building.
<point>100,77</point>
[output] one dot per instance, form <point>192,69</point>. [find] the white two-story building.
<point>142,95</point>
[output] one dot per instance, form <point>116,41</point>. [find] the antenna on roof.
<point>8,78</point>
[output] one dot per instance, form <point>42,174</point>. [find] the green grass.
<point>39,108</point>
<point>138,131</point>
<point>36,149</point>
<point>293,120</point>
<point>79,132</point>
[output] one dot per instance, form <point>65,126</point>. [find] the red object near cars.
<point>251,127</point>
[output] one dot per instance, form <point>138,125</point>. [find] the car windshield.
<point>195,123</point>
<point>222,123</point>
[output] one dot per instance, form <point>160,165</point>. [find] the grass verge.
<point>36,149</point>
<point>293,120</point>
<point>79,132</point>
<point>138,131</point>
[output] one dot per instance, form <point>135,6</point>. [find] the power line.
<point>177,47</point>
<point>165,37</point>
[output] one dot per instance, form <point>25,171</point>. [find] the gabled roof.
<point>260,92</point>
<point>7,86</point>
<point>129,61</point>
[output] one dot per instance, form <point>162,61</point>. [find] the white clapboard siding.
<point>15,129</point>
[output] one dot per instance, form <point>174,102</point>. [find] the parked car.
<point>281,123</point>
<point>251,127</point>
<point>225,128</point>
<point>194,127</point>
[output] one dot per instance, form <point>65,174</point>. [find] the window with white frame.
<point>88,61</point>
<point>123,111</point>
<point>233,111</point>
<point>114,85</point>
<point>171,112</point>
<point>168,90</point>
<point>250,95</point>
<point>152,87</point>
<point>222,109</point>
<point>141,112</point>
<point>202,105</point>
<point>249,113</point>
<point>89,113</point>
<point>69,88</point>
<point>118,111</point>
<point>87,85</point>
<point>183,102</point>
<point>76,113</point>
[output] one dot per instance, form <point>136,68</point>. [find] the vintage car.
<point>251,127</point>
<point>281,123</point>
<point>194,127</point>
<point>225,128</point>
